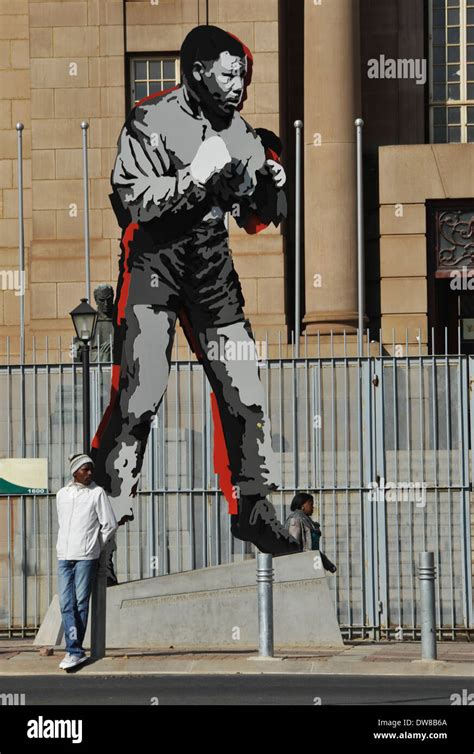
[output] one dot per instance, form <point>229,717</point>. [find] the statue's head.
<point>217,67</point>
<point>104,299</point>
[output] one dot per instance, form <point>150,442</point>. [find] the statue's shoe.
<point>257,522</point>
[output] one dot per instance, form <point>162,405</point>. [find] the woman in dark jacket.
<point>302,527</point>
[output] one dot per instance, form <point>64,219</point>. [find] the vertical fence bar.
<point>465,522</point>
<point>190,463</point>
<point>360,439</point>
<point>295,423</point>
<point>320,476</point>
<point>23,524</point>
<point>436,452</point>
<point>398,521</point>
<point>347,481</point>
<point>166,468</point>
<point>10,557</point>
<point>280,420</point>
<point>306,394</point>
<point>422,437</point>
<point>48,445</point>
<point>61,426</point>
<point>204,468</point>
<point>35,500</point>
<point>210,474</point>
<point>36,550</point>
<point>151,569</point>
<point>335,481</point>
<point>73,405</point>
<point>140,549</point>
<point>383,550</point>
<point>447,393</point>
<point>371,517</point>
<point>163,530</point>
<point>178,460</point>
<point>409,467</point>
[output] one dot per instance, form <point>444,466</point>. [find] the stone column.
<point>332,103</point>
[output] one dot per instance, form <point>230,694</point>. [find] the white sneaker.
<point>64,662</point>
<point>71,661</point>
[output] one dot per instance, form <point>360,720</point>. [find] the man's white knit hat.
<point>78,460</point>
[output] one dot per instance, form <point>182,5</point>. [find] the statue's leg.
<point>232,368</point>
<point>226,347</point>
<point>144,371</point>
<point>230,361</point>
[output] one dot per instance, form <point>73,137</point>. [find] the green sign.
<point>23,476</point>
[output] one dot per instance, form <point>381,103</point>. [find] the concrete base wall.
<point>215,607</point>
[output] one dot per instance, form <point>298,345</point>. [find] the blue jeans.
<point>75,578</point>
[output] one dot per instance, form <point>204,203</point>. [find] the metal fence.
<point>382,442</point>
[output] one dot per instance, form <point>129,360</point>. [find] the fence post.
<point>427,576</point>
<point>99,608</point>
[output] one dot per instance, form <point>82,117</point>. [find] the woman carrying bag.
<point>302,527</point>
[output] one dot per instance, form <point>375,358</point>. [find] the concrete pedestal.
<point>215,607</point>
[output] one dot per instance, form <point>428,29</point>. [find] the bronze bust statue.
<point>100,345</point>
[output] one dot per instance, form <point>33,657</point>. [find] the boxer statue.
<point>185,158</point>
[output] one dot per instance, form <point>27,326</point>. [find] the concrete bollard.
<point>427,576</point>
<point>265,603</point>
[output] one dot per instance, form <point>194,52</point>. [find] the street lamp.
<point>84,318</point>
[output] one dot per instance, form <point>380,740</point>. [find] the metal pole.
<point>298,126</point>
<point>99,609</point>
<point>427,576</point>
<point>85,398</point>
<point>359,123</point>
<point>265,603</point>
<point>99,586</point>
<point>21,241</point>
<point>85,126</point>
<point>21,273</point>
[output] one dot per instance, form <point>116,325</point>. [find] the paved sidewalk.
<point>19,657</point>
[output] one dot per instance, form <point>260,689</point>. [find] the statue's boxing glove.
<point>211,158</point>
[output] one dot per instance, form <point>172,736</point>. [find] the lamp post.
<point>84,318</point>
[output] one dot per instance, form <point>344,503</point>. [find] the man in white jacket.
<point>86,522</point>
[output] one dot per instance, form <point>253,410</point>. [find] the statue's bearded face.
<point>222,82</point>
<point>105,302</point>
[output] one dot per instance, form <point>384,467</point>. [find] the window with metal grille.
<point>452,70</point>
<point>150,75</point>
